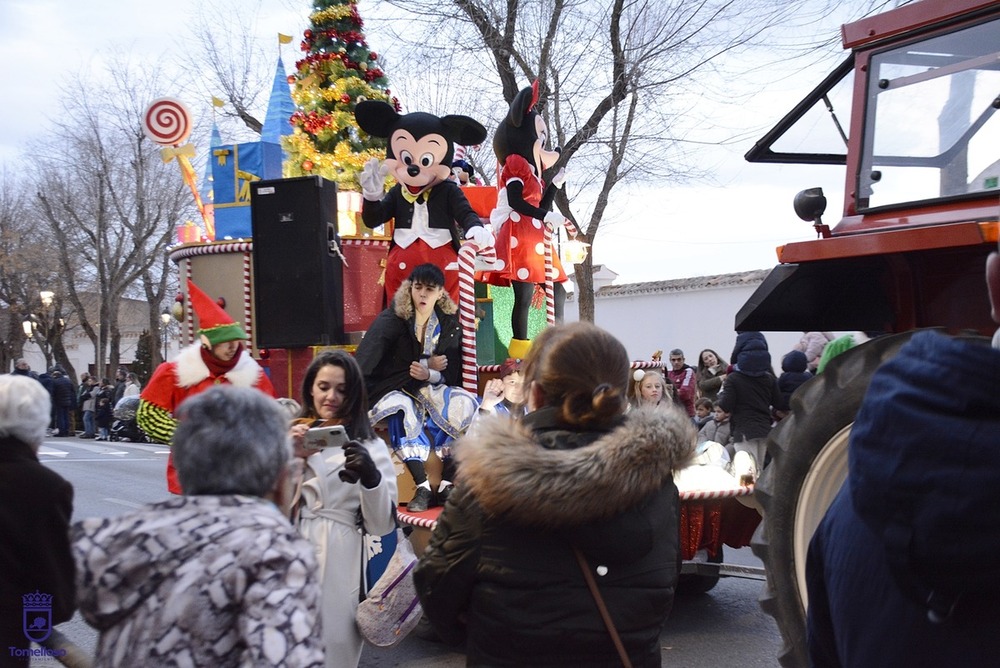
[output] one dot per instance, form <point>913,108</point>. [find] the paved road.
<point>720,629</point>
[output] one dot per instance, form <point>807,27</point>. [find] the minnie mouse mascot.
<point>427,206</point>
<point>521,211</point>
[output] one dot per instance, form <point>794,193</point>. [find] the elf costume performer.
<point>523,208</point>
<point>219,357</point>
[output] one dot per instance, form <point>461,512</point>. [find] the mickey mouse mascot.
<point>428,207</point>
<point>520,144</point>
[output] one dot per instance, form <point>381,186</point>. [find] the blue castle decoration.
<point>235,166</point>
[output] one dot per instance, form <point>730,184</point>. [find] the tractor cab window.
<point>814,132</point>
<point>931,129</point>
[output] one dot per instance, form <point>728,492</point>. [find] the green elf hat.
<point>215,324</point>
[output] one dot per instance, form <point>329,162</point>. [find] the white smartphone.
<point>318,438</point>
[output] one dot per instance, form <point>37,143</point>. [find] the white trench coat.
<point>328,518</point>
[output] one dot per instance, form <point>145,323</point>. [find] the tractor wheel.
<point>808,450</point>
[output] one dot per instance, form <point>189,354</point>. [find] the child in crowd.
<point>702,412</point>
<point>717,429</point>
<point>794,373</point>
<point>104,410</point>
<point>650,388</point>
<point>504,395</point>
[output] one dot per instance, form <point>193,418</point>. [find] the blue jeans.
<point>62,420</point>
<point>88,424</point>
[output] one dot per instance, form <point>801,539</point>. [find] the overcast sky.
<point>732,223</point>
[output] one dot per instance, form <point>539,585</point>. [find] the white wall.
<point>691,320</point>
<point>80,351</point>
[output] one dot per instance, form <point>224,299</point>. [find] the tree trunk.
<point>585,288</point>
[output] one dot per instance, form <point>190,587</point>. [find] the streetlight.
<point>46,321</point>
<point>165,319</point>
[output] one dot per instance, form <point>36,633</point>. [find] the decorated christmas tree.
<point>338,71</point>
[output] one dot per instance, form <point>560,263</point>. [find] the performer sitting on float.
<point>411,361</point>
<point>520,144</point>
<point>427,206</point>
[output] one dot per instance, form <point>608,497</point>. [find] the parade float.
<point>283,246</point>
<point>318,282</point>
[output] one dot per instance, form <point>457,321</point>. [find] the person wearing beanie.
<point>812,344</point>
<point>748,394</point>
<point>794,367</point>
<point>841,345</point>
<point>742,339</point>
<point>218,357</point>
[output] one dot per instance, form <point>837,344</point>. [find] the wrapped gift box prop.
<point>234,168</point>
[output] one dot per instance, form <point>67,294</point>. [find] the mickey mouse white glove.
<point>373,180</point>
<point>554,218</point>
<point>481,236</point>
<point>560,178</point>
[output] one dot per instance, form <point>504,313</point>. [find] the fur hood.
<point>511,475</point>
<point>402,303</point>
<point>191,369</point>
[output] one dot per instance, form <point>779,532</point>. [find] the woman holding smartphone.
<point>342,488</point>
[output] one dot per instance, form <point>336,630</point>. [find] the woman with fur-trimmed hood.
<point>411,358</point>
<point>501,574</point>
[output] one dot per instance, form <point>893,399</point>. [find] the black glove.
<point>359,466</point>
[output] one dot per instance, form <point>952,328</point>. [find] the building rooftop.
<point>738,279</point>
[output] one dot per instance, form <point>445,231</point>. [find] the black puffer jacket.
<point>390,346</point>
<point>63,392</point>
<point>500,571</point>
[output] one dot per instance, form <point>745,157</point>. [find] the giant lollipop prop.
<point>167,122</point>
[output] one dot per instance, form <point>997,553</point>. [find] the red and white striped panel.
<point>467,309</point>
<point>247,305</point>
<point>212,248</point>
<point>701,495</point>
<point>416,520</point>
<point>550,304</point>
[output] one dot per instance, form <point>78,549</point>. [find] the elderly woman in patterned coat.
<point>217,577</point>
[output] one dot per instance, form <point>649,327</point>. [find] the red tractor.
<point>921,87</point>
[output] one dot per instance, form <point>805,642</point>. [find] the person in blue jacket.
<point>903,569</point>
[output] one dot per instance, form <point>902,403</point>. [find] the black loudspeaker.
<point>298,269</point>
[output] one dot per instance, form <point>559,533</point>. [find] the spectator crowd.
<point>259,555</point>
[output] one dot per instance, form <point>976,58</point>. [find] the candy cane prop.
<point>189,317</point>
<point>550,304</point>
<point>701,495</point>
<point>247,300</point>
<point>167,122</point>
<point>467,309</point>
